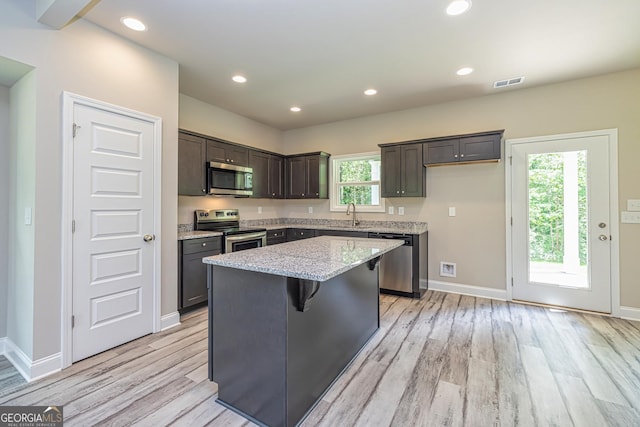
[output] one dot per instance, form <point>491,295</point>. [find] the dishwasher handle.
<point>408,240</point>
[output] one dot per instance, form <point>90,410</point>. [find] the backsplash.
<point>185,228</point>
<point>328,222</point>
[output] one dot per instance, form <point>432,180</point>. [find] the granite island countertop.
<point>318,258</point>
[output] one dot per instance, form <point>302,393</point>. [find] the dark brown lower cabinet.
<point>277,236</point>
<point>192,272</point>
<point>300,233</point>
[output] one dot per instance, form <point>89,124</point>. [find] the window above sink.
<point>355,178</point>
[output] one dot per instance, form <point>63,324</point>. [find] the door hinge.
<point>75,129</point>
<point>510,160</point>
<point>73,321</point>
<point>511,220</point>
<point>512,282</point>
<point>73,226</point>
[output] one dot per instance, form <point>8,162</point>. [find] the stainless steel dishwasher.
<point>396,267</point>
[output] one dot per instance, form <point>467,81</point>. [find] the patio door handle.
<point>603,237</point>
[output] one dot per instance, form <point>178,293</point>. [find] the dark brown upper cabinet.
<point>268,174</point>
<point>218,151</point>
<point>276,176</point>
<point>307,176</point>
<point>192,178</point>
<point>403,174</point>
<point>464,148</point>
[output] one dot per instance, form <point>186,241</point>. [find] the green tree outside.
<point>358,172</point>
<point>546,200</point>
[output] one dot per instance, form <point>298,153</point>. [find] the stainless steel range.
<point>227,221</point>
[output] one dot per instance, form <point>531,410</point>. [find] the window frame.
<point>334,183</point>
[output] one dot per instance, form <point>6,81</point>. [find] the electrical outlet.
<point>259,209</point>
<point>633,205</point>
<point>310,209</point>
<point>390,210</point>
<point>452,211</point>
<point>401,210</point>
<point>630,218</point>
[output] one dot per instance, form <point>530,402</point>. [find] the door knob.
<point>148,237</point>
<point>602,237</point>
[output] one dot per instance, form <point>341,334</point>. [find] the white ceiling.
<point>322,54</point>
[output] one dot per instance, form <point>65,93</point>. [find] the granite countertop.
<point>318,258</point>
<point>398,227</point>
<point>197,234</point>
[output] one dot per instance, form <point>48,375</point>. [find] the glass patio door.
<point>561,232</point>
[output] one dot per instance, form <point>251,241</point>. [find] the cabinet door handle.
<point>402,191</point>
<point>204,244</point>
<point>398,192</point>
<point>461,155</point>
<point>302,194</point>
<point>232,160</point>
<point>455,156</point>
<point>204,191</point>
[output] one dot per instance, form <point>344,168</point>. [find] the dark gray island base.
<point>276,342</point>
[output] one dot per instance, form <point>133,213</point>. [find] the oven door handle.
<point>246,236</point>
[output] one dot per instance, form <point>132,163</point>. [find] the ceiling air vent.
<point>508,82</point>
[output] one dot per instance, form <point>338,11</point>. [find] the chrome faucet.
<point>354,221</point>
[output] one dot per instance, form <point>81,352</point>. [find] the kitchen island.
<point>286,320</point>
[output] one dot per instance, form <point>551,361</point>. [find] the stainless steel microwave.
<point>231,180</point>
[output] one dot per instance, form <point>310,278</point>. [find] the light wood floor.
<point>445,360</point>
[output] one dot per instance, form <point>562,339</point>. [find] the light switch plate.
<point>633,205</point>
<point>259,209</point>
<point>390,210</point>
<point>27,216</point>
<point>310,209</point>
<point>630,217</point>
<point>401,210</point>
<point>452,211</point>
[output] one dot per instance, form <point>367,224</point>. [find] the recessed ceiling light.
<point>295,109</point>
<point>370,92</point>
<point>457,7</point>
<point>239,79</point>
<point>464,71</point>
<point>133,23</point>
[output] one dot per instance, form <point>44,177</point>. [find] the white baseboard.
<point>46,366</point>
<point>474,291</point>
<point>169,320</point>
<point>630,313</point>
<point>30,370</point>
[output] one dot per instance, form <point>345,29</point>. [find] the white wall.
<point>22,172</point>
<point>89,61</point>
<point>4,205</point>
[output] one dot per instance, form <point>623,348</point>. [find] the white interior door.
<point>561,231</point>
<point>113,265</point>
